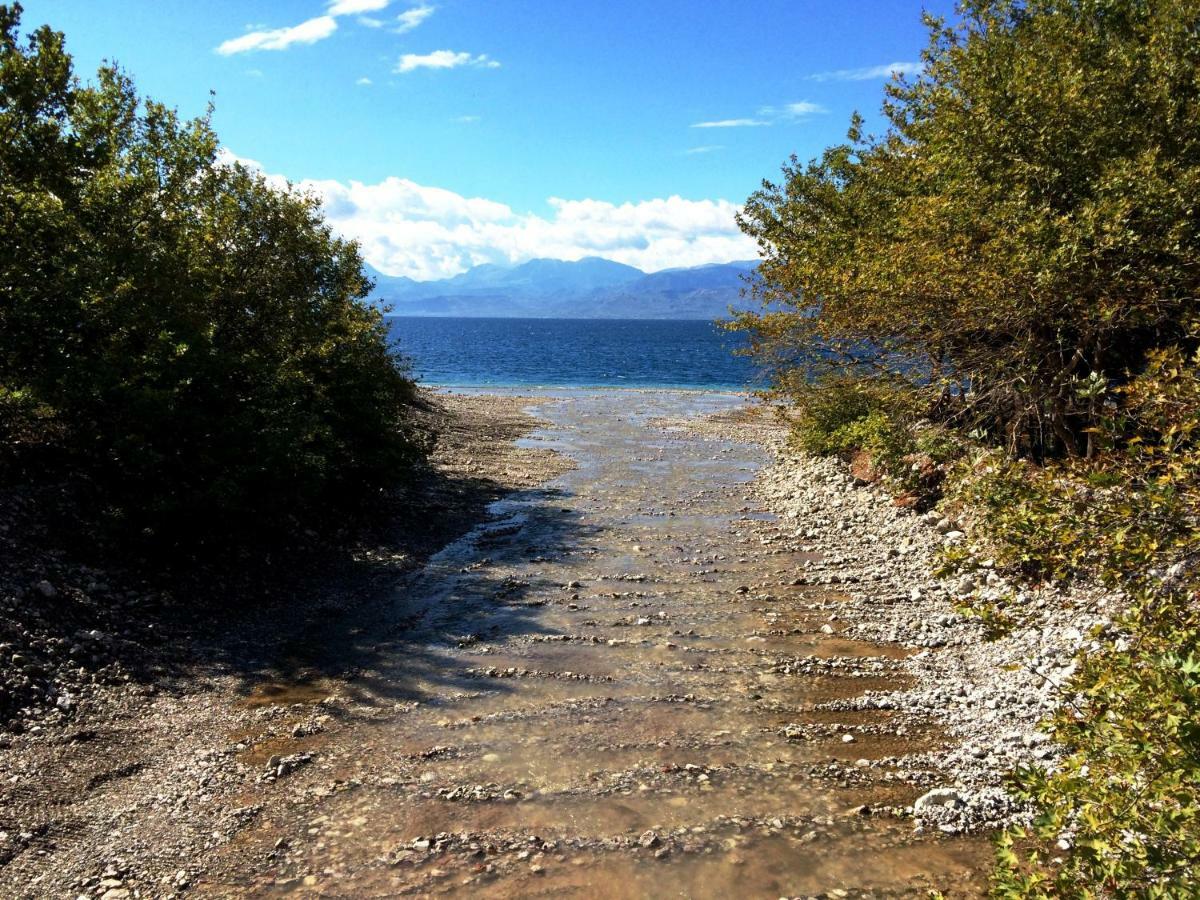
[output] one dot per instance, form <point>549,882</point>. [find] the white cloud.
<point>802,110</point>
<point>364,81</point>
<point>425,232</point>
<point>732,123</point>
<point>707,148</point>
<point>769,115</point>
<point>869,73</point>
<point>352,7</point>
<point>466,120</point>
<point>370,22</point>
<point>308,32</point>
<point>443,59</point>
<point>411,18</point>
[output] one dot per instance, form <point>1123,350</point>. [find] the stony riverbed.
<point>682,668</point>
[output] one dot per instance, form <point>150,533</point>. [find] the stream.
<point>611,689</point>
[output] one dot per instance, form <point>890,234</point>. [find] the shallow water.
<point>587,697</point>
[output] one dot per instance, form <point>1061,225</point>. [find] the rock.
<point>826,628</point>
<point>648,839</point>
<point>943,797</point>
<point>848,739</point>
<point>862,467</point>
<point>46,589</point>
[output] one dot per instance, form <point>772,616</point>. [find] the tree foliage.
<point>189,338</point>
<point>1023,233</point>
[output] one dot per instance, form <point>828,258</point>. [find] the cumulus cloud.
<point>411,18</point>
<point>443,59</point>
<point>731,123</point>
<point>308,32</point>
<point>364,81</point>
<point>426,232</point>
<point>869,73</point>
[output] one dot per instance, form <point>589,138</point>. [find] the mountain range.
<point>589,288</point>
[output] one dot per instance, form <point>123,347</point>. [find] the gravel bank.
<point>675,664</point>
<point>988,695</point>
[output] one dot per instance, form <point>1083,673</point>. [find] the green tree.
<point>1019,238</point>
<point>192,340</point>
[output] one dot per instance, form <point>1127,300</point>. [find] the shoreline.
<point>549,390</point>
<point>153,732</point>
<point>988,694</point>
<point>163,687</point>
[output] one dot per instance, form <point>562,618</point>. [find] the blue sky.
<point>446,133</point>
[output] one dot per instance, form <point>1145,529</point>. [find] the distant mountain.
<point>584,289</point>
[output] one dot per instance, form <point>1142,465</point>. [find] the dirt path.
<point>612,688</point>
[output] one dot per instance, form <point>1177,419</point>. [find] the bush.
<point>199,338</point>
<point>877,428</point>
<point>1119,816</point>
<point>840,415</point>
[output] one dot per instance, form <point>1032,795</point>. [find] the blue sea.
<point>637,353</point>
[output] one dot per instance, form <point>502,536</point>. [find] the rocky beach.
<point>641,649</point>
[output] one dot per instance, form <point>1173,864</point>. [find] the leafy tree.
<point>1023,233</point>
<point>190,339</point>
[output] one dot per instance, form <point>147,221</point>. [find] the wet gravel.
<point>688,666</point>
<point>987,694</point>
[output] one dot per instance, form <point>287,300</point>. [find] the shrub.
<point>868,421</point>
<point>199,338</point>
<point>839,415</point>
<point>1119,816</point>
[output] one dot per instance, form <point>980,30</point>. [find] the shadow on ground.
<point>391,646</point>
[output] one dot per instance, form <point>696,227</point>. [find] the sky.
<point>442,134</point>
